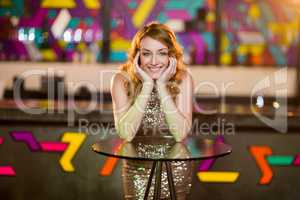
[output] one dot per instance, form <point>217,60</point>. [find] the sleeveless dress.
<point>135,173</point>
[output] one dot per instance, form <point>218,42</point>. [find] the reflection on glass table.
<point>161,150</point>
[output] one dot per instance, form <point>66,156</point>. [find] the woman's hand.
<point>179,150</point>
<point>141,74</point>
<point>168,72</point>
<point>128,149</point>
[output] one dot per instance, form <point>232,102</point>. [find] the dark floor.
<point>40,176</point>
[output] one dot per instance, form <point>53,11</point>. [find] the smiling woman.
<point>152,96</point>
<point>154,57</point>
<point>154,65</point>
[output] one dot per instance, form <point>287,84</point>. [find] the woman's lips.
<point>154,69</point>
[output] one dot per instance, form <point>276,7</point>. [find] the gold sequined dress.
<point>135,173</point>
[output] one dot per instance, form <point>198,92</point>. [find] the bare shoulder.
<point>118,77</point>
<point>117,84</point>
<point>187,79</point>
<point>187,75</point>
<point>118,80</point>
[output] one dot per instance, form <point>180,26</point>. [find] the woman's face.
<point>154,57</point>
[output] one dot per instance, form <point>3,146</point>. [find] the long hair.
<point>166,36</point>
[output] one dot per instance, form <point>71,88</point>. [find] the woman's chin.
<point>155,76</point>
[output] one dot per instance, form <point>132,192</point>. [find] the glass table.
<point>161,150</point>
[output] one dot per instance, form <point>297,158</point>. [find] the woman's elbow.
<point>123,134</point>
<point>182,134</point>
<point>181,137</point>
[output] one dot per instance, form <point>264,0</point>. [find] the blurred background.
<point>234,41</point>
<point>211,32</point>
<point>57,58</point>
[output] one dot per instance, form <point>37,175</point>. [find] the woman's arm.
<point>178,114</point>
<point>128,117</point>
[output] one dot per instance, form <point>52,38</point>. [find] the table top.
<point>161,148</point>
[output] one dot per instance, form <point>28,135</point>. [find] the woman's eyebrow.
<point>162,49</point>
<point>145,49</point>
<point>157,50</point>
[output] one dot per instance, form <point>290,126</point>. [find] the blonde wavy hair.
<point>166,36</point>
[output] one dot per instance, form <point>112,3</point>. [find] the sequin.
<point>154,117</point>
<point>135,173</point>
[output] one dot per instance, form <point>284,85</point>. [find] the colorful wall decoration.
<point>193,22</point>
<point>50,30</point>
<point>253,32</point>
<point>260,33</point>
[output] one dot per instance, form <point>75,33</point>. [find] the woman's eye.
<point>163,53</point>
<point>145,54</point>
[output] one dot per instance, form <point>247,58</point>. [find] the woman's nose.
<point>154,60</point>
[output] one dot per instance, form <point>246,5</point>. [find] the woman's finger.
<point>136,58</point>
<point>136,65</point>
<point>169,69</point>
<point>175,66</point>
<point>135,62</point>
<point>137,71</point>
<point>172,63</point>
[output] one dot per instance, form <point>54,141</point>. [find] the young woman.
<point>152,96</point>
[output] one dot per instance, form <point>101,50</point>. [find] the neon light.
<point>221,177</point>
<point>7,171</point>
<point>297,160</point>
<point>26,137</point>
<point>108,166</point>
<point>53,146</point>
<point>220,139</point>
<point>259,153</point>
<point>75,140</point>
<point>205,165</point>
<point>110,162</point>
<point>204,176</point>
<point>280,160</point>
